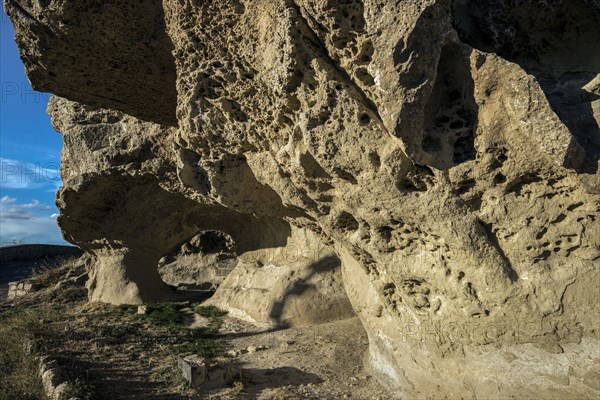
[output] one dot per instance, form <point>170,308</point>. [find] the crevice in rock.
<point>450,119</point>
<point>493,240</point>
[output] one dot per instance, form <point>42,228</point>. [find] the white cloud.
<point>10,209</point>
<point>16,174</point>
<point>7,200</point>
<point>31,230</point>
<point>28,222</point>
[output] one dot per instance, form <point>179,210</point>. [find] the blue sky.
<point>29,154</point>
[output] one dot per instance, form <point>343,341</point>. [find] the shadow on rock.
<point>298,288</point>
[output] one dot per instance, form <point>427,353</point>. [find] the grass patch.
<point>164,314</point>
<point>211,312</point>
<point>160,326</point>
<point>203,342</point>
<point>200,341</point>
<point>70,294</point>
<point>170,373</point>
<point>18,363</point>
<point>25,335</point>
<point>118,331</point>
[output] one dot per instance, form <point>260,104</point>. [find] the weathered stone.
<point>20,289</point>
<point>199,374</point>
<point>12,291</point>
<point>133,69</point>
<point>194,369</point>
<point>446,152</point>
<point>54,381</point>
<point>55,386</point>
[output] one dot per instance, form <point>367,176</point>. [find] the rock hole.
<point>365,119</point>
<point>375,160</point>
<point>346,222</point>
<point>499,178</point>
<point>574,206</point>
<point>206,259</point>
<point>385,232</point>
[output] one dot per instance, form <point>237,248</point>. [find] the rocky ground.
<point>112,352</point>
<point>319,362</point>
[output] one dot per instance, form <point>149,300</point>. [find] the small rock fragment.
<point>193,369</point>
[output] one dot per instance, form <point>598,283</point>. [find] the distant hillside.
<point>24,252</point>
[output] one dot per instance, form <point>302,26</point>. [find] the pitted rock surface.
<point>443,154</point>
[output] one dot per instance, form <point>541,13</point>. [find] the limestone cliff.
<point>445,151</point>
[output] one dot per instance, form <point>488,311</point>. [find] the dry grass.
<point>47,275</point>
<point>18,363</point>
<point>31,327</point>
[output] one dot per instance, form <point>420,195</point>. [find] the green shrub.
<point>211,312</point>
<point>164,314</point>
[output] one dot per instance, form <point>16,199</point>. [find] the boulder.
<point>441,157</point>
<point>201,374</point>
<point>296,284</point>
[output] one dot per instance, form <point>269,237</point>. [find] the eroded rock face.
<point>123,200</point>
<point>446,153</point>
<point>108,54</point>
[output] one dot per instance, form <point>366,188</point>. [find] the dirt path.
<point>316,362</point>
